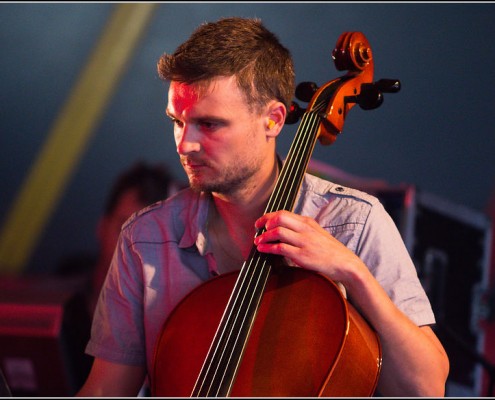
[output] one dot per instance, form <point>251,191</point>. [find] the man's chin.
<point>198,186</point>
<point>195,187</point>
<point>209,187</point>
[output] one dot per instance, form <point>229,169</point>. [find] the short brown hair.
<point>234,46</point>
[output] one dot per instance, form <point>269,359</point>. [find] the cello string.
<point>278,194</point>
<point>303,140</point>
<point>250,283</point>
<point>290,184</point>
<point>247,280</point>
<point>255,283</point>
<point>233,316</point>
<point>294,165</point>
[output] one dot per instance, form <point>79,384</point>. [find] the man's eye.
<point>177,123</point>
<point>208,125</point>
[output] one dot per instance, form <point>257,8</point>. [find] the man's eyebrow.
<point>170,114</point>
<point>200,118</point>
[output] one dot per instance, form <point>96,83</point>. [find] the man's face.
<point>221,144</point>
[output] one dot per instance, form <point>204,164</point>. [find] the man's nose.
<point>187,141</point>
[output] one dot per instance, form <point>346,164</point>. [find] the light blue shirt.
<point>162,255</point>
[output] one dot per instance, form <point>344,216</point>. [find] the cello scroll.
<point>334,100</point>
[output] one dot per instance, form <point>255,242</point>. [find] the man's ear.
<point>275,118</point>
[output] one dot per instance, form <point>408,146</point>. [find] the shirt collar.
<point>196,229</point>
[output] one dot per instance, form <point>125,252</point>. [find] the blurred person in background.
<point>140,185</point>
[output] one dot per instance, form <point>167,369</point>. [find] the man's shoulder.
<point>161,210</point>
<point>325,188</point>
<point>336,205</point>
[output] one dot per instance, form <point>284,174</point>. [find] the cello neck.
<point>290,179</point>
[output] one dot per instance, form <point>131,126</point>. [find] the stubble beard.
<point>230,181</point>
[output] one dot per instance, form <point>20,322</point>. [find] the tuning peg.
<point>370,97</point>
<point>305,91</point>
<point>294,113</point>
<point>388,85</point>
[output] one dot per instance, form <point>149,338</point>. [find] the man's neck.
<point>235,213</point>
<point>247,204</point>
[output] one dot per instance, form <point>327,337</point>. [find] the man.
<point>230,87</point>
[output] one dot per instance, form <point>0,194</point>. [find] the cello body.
<point>306,339</point>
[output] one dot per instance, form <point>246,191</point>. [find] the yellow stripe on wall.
<point>70,135</point>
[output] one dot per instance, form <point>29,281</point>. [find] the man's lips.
<point>193,165</point>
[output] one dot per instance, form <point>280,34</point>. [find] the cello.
<point>272,330</point>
